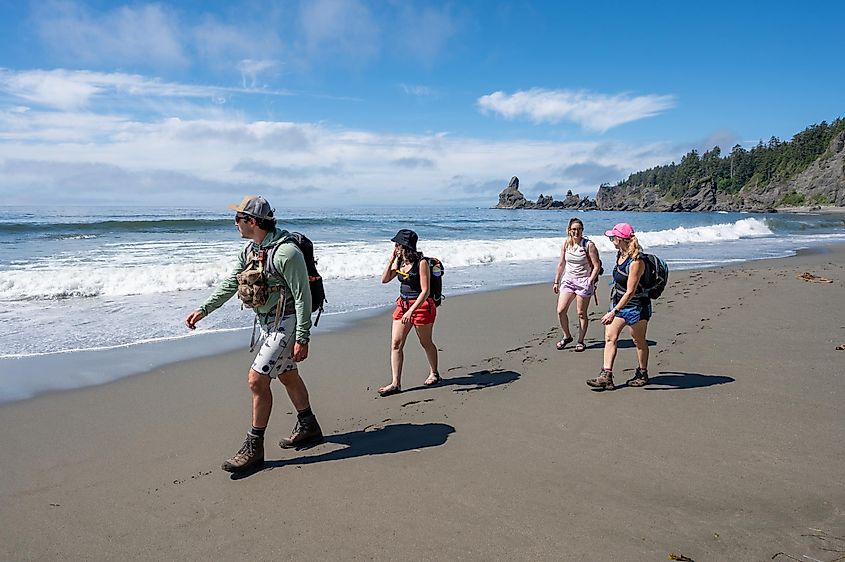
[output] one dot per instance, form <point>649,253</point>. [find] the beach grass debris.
<point>680,557</point>
<point>807,276</point>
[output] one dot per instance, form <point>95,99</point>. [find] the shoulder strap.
<point>270,266</point>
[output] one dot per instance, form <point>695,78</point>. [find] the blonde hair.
<point>570,240</point>
<point>633,248</point>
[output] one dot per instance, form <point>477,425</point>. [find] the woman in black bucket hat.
<point>414,308</point>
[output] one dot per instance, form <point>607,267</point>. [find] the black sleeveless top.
<point>410,285</point>
<point>620,286</point>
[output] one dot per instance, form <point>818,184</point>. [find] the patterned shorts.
<point>276,353</point>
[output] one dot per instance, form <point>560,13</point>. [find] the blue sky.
<point>333,102</point>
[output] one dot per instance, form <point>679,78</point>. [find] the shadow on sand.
<point>676,380</point>
<point>389,439</point>
<point>472,381</point>
<point>620,344</point>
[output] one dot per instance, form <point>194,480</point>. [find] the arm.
<point>289,261</point>
<point>425,281</point>
<point>224,291</point>
<point>634,273</point>
<point>389,272</point>
<point>595,262</point>
<point>561,264</point>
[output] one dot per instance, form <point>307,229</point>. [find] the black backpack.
<point>315,280</point>
<point>655,277</point>
<point>435,284</point>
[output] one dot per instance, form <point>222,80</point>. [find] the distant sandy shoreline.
<point>734,453</point>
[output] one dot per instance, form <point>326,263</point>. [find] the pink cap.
<point>622,230</point>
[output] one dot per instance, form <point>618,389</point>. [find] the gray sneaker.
<point>602,382</point>
<point>306,432</point>
<point>251,454</point>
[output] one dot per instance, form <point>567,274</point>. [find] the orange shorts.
<point>423,315</point>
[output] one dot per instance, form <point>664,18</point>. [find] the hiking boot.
<point>640,378</point>
<point>306,432</point>
<point>602,382</point>
<point>251,454</point>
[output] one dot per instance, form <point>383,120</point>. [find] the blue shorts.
<point>633,314</point>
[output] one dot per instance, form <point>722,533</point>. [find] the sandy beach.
<point>735,452</point>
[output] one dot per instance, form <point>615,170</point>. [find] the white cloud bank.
<point>84,136</point>
<point>593,111</point>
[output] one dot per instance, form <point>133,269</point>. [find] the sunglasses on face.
<point>575,229</point>
<point>239,218</point>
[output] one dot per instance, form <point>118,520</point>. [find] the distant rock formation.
<point>822,183</point>
<point>512,198</point>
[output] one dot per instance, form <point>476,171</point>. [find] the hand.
<point>608,318</point>
<point>300,351</point>
<point>193,318</point>
<point>406,318</point>
<point>556,288</point>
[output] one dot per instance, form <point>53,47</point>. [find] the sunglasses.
<point>239,218</point>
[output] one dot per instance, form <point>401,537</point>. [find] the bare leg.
<point>295,387</point>
<point>611,336</point>
<point>399,333</point>
<point>424,334</point>
<point>564,299</point>
<point>582,304</point>
<point>638,332</point>
<point>262,398</point>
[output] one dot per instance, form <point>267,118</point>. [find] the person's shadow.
<point>386,440</point>
<point>473,381</point>
<point>677,380</point>
<point>622,343</point>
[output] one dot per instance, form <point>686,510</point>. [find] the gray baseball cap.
<point>254,206</point>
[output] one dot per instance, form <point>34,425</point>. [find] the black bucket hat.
<point>407,238</point>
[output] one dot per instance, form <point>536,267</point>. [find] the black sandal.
<point>564,342</point>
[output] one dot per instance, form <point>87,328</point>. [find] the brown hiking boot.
<point>251,454</point>
<point>602,382</point>
<point>640,378</point>
<point>306,432</point>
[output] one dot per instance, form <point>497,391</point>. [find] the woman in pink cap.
<point>629,306</point>
<point>580,266</point>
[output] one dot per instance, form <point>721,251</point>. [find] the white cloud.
<point>418,90</point>
<point>596,112</point>
<point>251,69</point>
<point>73,89</point>
<point>146,35</point>
<point>214,159</point>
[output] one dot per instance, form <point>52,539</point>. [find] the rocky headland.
<point>817,183</point>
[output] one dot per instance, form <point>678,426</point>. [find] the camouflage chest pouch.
<point>253,287</point>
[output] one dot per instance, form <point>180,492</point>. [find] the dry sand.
<point>736,452</point>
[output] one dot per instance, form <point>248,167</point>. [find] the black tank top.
<point>620,285</point>
<point>410,286</point>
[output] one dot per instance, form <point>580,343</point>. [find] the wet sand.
<point>735,452</point>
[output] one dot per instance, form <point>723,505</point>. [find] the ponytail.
<point>634,249</point>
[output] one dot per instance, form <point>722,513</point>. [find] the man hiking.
<point>271,278</point>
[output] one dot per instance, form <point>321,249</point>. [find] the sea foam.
<point>164,267</point>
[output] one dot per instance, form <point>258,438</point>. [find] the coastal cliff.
<point>821,183</point>
<point>805,172</point>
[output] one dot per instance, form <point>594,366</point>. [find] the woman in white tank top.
<point>575,279</point>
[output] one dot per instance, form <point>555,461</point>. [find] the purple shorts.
<point>581,286</point>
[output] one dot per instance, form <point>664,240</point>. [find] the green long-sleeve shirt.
<point>288,260</point>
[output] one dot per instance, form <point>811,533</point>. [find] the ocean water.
<point>88,295</point>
